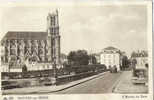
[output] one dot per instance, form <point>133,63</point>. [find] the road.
<point>102,84</point>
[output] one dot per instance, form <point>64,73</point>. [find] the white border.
<point>97,96</point>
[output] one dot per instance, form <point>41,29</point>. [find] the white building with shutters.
<point>110,57</point>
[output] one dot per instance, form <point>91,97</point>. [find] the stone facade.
<point>110,56</point>
<point>141,58</point>
<point>25,47</point>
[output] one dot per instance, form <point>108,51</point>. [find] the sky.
<point>88,27</point>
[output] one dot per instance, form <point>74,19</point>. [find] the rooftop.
<point>110,48</point>
<point>25,35</point>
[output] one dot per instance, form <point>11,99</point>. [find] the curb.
<point>76,83</point>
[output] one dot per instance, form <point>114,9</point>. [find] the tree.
<point>134,54</point>
<point>125,62</point>
<point>92,59</point>
<point>79,57</point>
<point>134,62</point>
<point>71,57</point>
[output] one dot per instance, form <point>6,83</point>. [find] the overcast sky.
<point>84,27</point>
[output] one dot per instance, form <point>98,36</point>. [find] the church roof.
<point>25,35</point>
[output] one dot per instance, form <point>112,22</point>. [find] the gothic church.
<point>32,48</point>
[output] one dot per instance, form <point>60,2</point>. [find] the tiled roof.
<point>25,35</point>
<point>141,54</point>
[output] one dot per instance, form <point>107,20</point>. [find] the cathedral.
<point>36,50</point>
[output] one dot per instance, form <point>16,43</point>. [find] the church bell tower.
<point>53,36</point>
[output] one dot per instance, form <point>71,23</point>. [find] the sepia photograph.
<point>82,48</point>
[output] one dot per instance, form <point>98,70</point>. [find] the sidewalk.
<point>126,86</point>
<point>48,89</point>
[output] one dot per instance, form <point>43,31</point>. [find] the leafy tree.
<point>134,54</point>
<point>134,61</point>
<point>79,57</point>
<point>93,59</point>
<point>125,62</point>
<point>71,57</point>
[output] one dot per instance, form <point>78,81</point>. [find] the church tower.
<point>53,39</point>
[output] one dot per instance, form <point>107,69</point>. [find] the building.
<point>110,57</point>
<point>141,58</point>
<point>36,50</point>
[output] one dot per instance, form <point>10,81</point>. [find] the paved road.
<point>103,84</point>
